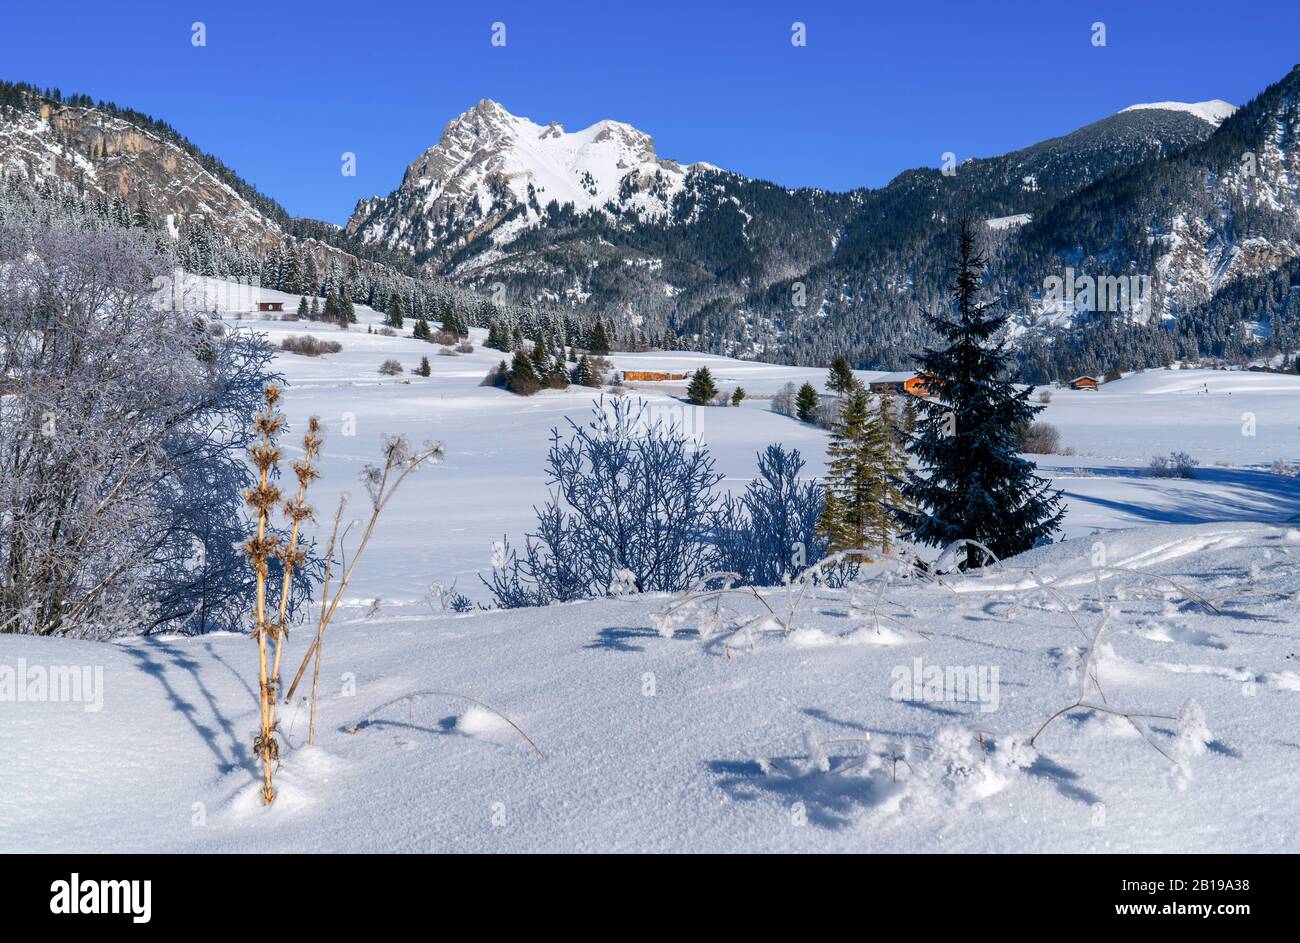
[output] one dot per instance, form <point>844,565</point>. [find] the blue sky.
<point>282,89</point>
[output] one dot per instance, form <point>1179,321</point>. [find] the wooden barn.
<point>1084,383</point>
<point>652,376</point>
<point>912,384</point>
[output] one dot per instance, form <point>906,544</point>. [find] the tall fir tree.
<point>972,483</point>
<point>840,377</point>
<point>701,389</point>
<point>599,339</point>
<point>393,314</point>
<point>806,403</point>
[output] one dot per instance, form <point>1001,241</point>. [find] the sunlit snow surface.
<point>764,742</point>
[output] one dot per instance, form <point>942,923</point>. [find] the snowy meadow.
<point>1133,686</point>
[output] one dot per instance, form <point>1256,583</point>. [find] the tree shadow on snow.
<point>157,658</point>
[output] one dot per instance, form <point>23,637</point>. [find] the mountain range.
<point>1192,206</point>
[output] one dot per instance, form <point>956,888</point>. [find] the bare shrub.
<point>309,346</point>
<point>445,338</point>
<point>1044,396</point>
<point>1173,465</point>
<point>446,352</point>
<point>1040,438</point>
<point>784,400</point>
<point>390,368</point>
<point>386,332</point>
<point>464,347</point>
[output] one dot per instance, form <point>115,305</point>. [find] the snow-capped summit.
<point>1215,111</point>
<point>489,161</point>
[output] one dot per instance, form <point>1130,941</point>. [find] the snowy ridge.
<point>1215,111</point>
<point>489,161</point>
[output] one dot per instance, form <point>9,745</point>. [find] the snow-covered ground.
<point>779,741</point>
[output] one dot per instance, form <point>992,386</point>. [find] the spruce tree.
<point>883,451</point>
<point>971,483</point>
<point>737,396</point>
<point>421,329</point>
<point>393,314</point>
<point>840,379</point>
<point>523,378</point>
<point>347,314</point>
<point>425,369</point>
<point>849,481</point>
<point>806,403</point>
<point>582,373</point>
<point>599,339</point>
<point>702,388</point>
<point>302,306</point>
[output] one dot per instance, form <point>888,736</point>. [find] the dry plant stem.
<point>297,511</point>
<point>318,641</point>
<point>383,492</point>
<point>464,697</point>
<point>266,456</point>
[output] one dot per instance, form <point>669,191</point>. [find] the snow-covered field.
<point>779,741</point>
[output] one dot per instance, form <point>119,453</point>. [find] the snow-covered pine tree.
<point>972,483</point>
<point>393,313</point>
<point>523,378</point>
<point>582,373</point>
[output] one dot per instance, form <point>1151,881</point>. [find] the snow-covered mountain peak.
<point>1214,111</point>
<point>489,161</point>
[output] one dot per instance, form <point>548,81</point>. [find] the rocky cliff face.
<point>107,156</point>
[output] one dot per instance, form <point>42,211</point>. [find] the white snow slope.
<point>1214,112</point>
<point>811,739</point>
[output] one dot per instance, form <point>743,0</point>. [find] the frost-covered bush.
<point>784,400</point>
<point>1174,465</point>
<point>309,346</point>
<point>769,533</point>
<point>390,368</point>
<point>124,423</point>
<point>631,508</point>
<point>1040,438</point>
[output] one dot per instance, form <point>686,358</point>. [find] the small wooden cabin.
<point>270,306</point>
<point>912,384</point>
<point>1084,383</point>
